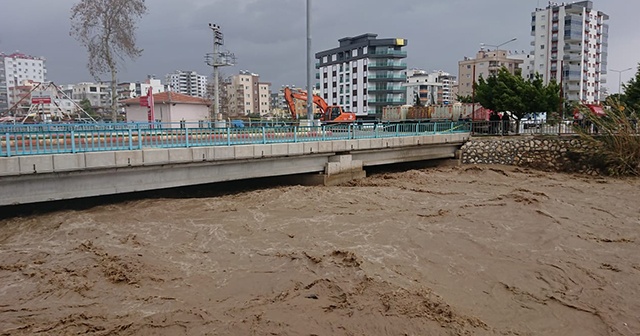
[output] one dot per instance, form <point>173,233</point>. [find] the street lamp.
<point>309,65</point>
<point>620,78</point>
<point>499,45</point>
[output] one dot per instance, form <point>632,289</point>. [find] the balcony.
<point>573,57</point>
<point>381,100</point>
<point>389,53</point>
<point>572,88</point>
<point>388,65</point>
<point>387,77</point>
<point>572,47</point>
<point>573,36</point>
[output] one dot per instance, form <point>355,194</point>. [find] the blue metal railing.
<point>19,140</point>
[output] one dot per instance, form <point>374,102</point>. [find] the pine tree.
<point>631,96</point>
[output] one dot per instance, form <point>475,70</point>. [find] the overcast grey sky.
<point>269,36</point>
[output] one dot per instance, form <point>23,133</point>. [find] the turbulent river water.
<point>469,250</point>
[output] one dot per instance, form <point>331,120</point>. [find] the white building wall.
<point>188,82</point>
<point>16,69</point>
<point>168,113</point>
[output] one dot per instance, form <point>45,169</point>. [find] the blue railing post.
<point>139,137</point>
<point>264,135</point>
<point>397,129</point>
<point>8,140</point>
<point>295,133</point>
<point>228,136</point>
<point>73,141</point>
<point>349,132</point>
<point>186,135</point>
<point>130,139</point>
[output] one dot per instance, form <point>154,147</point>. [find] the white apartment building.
<point>128,90</point>
<point>363,74</point>
<point>570,46</point>
<point>15,69</point>
<point>189,83</point>
<point>424,85</point>
<point>247,95</point>
<point>435,88</point>
<point>527,64</point>
<point>98,94</point>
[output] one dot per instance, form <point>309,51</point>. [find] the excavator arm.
<point>288,97</point>
<point>329,113</point>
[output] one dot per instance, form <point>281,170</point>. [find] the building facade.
<point>169,107</point>
<point>16,69</point>
<point>98,94</point>
<point>363,74</point>
<point>570,46</point>
<point>128,90</point>
<point>247,95</point>
<point>486,64</point>
<point>189,83</point>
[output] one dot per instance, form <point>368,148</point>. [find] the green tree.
<point>508,92</point>
<point>465,99</point>
<point>631,96</point>
<point>85,105</point>
<point>106,28</point>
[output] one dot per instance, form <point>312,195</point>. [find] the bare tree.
<point>106,28</point>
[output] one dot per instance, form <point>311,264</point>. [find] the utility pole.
<point>218,59</point>
<point>310,63</point>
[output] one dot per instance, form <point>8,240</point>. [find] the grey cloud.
<point>269,38</point>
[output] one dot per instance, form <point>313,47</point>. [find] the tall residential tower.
<point>188,82</point>
<point>363,74</point>
<point>570,46</point>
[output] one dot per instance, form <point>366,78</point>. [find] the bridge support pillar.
<point>339,169</point>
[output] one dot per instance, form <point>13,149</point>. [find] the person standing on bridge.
<point>505,123</point>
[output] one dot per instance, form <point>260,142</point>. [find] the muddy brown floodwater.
<point>441,251</point>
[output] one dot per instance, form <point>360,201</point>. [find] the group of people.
<point>499,124</point>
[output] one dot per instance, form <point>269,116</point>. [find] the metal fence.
<point>18,140</point>
<point>525,128</point>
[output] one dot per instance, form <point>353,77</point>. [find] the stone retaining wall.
<point>540,152</point>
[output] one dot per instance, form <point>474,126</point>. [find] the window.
<point>542,46</point>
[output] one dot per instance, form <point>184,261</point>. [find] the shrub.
<point>613,141</point>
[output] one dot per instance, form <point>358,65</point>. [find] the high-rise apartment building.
<point>188,82</point>
<point>570,46</point>
<point>363,74</point>
<point>16,69</point>
<point>486,63</point>
<point>247,95</point>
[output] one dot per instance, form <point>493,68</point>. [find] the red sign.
<point>144,101</point>
<point>151,114</point>
<point>40,100</point>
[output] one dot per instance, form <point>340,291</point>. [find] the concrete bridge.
<point>49,177</point>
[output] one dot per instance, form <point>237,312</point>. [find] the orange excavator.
<point>328,113</point>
